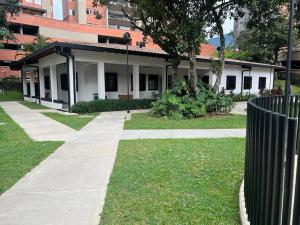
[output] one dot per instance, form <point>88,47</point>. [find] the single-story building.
<point>62,74</point>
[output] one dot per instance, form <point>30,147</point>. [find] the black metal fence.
<point>272,178</point>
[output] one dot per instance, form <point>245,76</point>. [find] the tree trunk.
<point>175,64</point>
<point>193,71</point>
<point>221,58</point>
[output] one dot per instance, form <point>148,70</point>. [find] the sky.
<point>228,26</point>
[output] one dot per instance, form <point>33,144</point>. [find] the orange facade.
<point>68,28</point>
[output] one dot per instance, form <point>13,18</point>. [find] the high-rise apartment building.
<point>69,20</point>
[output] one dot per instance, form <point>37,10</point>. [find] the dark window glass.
<point>28,89</point>
<point>30,30</point>
<point>231,82</point>
<point>12,46</point>
<point>262,83</point>
<point>131,82</point>
<point>186,78</point>
<point>47,82</point>
<point>64,82</point>
<point>153,82</point>
<point>205,79</point>
<point>170,81</point>
<point>111,82</point>
<point>247,83</point>
<point>76,81</point>
<point>142,82</point>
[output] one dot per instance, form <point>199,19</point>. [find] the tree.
<point>266,31</point>
<point>217,11</point>
<point>176,26</point>
<point>39,42</point>
<point>7,7</point>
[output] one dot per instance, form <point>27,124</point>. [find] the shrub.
<point>274,92</point>
<point>181,102</point>
<point>111,105</point>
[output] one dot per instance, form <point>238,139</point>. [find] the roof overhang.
<point>121,49</point>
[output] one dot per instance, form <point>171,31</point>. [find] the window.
<point>47,82</point>
<point>170,81</point>
<point>38,2</point>
<point>64,82</point>
<point>71,12</point>
<point>231,83</point>
<point>262,83</point>
<point>95,12</point>
<point>205,79</point>
<point>111,82</point>
<point>88,11</point>
<point>153,82</point>
<point>186,78</point>
<point>11,46</point>
<point>247,83</point>
<point>142,82</point>
<point>30,30</point>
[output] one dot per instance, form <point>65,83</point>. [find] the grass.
<point>33,105</point>
<point>175,182</point>
<point>11,96</point>
<point>145,121</point>
<point>18,153</point>
<point>74,121</point>
<point>295,88</point>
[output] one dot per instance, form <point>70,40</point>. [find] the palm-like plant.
<point>39,42</point>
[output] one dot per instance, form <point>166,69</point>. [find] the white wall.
<point>255,73</point>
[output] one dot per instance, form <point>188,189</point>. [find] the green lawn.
<point>145,121</point>
<point>295,88</point>
<point>18,153</point>
<point>74,121</point>
<point>175,182</point>
<point>11,96</point>
<point>33,105</point>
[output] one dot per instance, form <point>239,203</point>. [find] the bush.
<point>274,92</point>
<point>111,105</point>
<point>181,102</point>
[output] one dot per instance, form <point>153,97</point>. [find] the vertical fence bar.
<point>289,188</point>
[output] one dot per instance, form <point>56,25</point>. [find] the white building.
<point>62,74</point>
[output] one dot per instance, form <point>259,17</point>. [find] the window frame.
<point>228,82</point>
<point>107,86</point>
<point>156,82</point>
<point>246,85</point>
<point>259,83</point>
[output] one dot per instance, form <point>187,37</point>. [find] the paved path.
<point>182,133</point>
<point>240,108</point>
<point>38,126</point>
<point>69,187</point>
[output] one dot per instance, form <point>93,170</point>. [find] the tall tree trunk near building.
<point>175,64</point>
<point>221,56</point>
<point>193,71</point>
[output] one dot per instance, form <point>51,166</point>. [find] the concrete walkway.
<point>182,133</point>
<point>240,108</point>
<point>69,187</point>
<point>38,126</point>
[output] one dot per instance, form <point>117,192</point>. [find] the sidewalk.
<point>38,126</point>
<point>182,133</point>
<point>69,187</point>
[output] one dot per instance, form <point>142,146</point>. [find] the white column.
<point>32,88</point>
<point>164,79</point>
<point>136,81</point>
<point>101,80</point>
<point>42,83</point>
<point>53,81</point>
<point>71,81</point>
<point>25,92</point>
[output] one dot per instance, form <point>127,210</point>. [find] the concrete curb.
<point>243,213</point>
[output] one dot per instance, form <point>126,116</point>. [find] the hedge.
<point>111,105</point>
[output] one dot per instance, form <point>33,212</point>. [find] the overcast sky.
<point>228,26</point>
